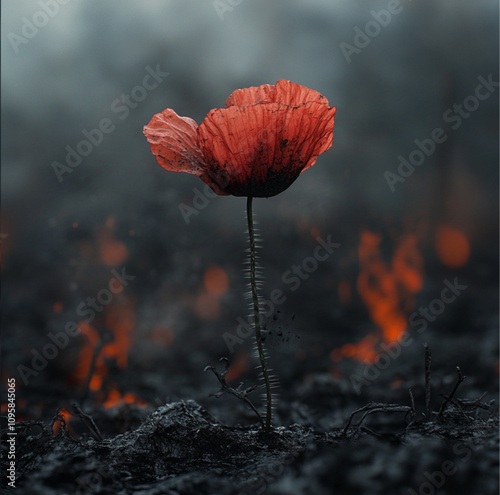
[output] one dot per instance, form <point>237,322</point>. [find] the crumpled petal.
<point>284,92</point>
<point>174,142</point>
<point>260,149</point>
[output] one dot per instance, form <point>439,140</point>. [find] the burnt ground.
<point>215,446</point>
<point>178,439</point>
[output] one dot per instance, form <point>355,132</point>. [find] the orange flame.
<point>388,291</point>
<point>56,427</point>
<point>116,399</point>
<point>86,353</point>
<point>119,318</point>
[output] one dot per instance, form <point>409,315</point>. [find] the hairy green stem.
<point>255,298</point>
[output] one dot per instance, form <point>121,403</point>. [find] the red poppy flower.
<point>256,146</point>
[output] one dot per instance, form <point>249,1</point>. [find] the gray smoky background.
<point>70,67</point>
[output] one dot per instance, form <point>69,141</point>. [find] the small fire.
<point>108,339</point>
<point>387,289</point>
<point>56,427</point>
<point>116,399</point>
<point>119,319</point>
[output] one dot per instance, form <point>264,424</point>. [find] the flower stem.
<point>255,298</point>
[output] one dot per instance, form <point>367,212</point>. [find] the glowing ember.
<point>56,427</point>
<point>162,335</point>
<point>216,281</point>
<point>344,291</point>
<point>238,367</point>
<point>315,232</point>
<point>58,307</point>
<point>116,399</point>
<point>112,252</point>
<point>207,306</point>
<point>452,247</point>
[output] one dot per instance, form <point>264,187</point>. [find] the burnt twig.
<point>447,399</point>
<point>372,408</point>
<point>413,410</point>
<point>428,357</point>
<point>387,437</point>
<point>458,406</point>
<point>88,421</point>
<point>239,392</point>
<point>477,404</point>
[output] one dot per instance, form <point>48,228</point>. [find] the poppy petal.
<point>173,141</point>
<point>261,149</point>
<point>250,96</point>
<point>284,92</point>
<point>294,95</point>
